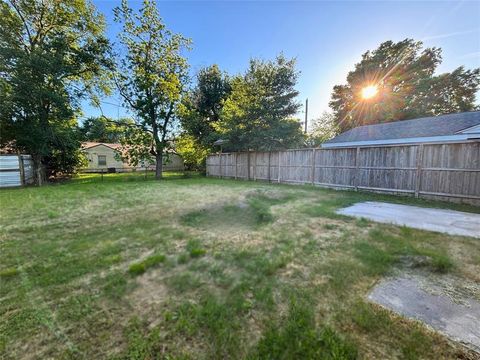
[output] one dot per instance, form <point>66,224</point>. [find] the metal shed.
<point>16,170</point>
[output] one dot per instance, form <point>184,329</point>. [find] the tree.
<point>403,74</point>
<point>103,129</point>
<point>153,74</point>
<point>324,128</point>
<point>202,107</point>
<point>52,54</point>
<point>137,146</point>
<point>258,114</point>
<point>193,153</point>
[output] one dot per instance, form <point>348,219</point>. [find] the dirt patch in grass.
<point>250,212</point>
<point>149,294</point>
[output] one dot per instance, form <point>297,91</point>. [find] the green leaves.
<point>52,54</point>
<point>152,74</point>
<point>259,112</point>
<point>407,88</point>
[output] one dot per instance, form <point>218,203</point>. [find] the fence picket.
<point>446,171</point>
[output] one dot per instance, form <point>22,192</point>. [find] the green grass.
<point>297,336</point>
<point>194,248</point>
<point>189,267</point>
<point>140,267</point>
<point>9,272</point>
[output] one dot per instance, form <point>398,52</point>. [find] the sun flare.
<point>369,91</point>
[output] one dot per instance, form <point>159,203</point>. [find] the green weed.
<point>140,267</point>
<point>8,273</point>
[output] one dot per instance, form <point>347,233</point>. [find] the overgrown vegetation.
<point>215,269</point>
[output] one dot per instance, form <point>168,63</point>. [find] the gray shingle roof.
<point>424,127</point>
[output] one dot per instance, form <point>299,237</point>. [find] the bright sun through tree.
<point>369,91</point>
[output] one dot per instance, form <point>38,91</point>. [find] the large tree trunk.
<point>159,165</point>
<point>38,170</point>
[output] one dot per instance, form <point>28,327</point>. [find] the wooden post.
<point>236,166</point>
<point>248,165</point>
<point>22,170</point>
<point>278,178</point>
<point>220,165</point>
<point>255,166</point>
<point>418,174</point>
<point>268,170</point>
<point>357,168</point>
<point>313,166</point>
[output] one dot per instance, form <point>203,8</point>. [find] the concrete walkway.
<point>440,220</point>
<point>405,296</point>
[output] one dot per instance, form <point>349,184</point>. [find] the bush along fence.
<point>441,171</point>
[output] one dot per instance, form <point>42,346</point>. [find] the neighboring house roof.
<point>459,126</point>
<point>90,144</point>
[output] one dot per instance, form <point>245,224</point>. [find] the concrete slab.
<point>440,220</point>
<point>405,296</point>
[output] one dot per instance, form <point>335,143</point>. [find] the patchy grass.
<point>252,212</point>
<point>189,267</point>
<point>142,266</point>
<point>297,336</point>
<point>194,248</point>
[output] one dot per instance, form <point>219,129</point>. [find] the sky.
<point>326,37</point>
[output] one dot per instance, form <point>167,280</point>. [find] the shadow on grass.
<point>132,176</point>
<point>254,212</point>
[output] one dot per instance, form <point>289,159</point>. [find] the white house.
<point>104,156</point>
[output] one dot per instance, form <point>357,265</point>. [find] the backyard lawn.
<point>193,267</point>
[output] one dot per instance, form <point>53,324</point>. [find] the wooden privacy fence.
<point>446,171</point>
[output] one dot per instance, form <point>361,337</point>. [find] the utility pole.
<point>306,115</point>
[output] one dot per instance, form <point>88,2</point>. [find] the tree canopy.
<point>323,128</point>
<point>404,77</point>
<point>259,112</point>
<point>202,106</point>
<point>52,55</point>
<point>152,74</point>
<point>103,129</point>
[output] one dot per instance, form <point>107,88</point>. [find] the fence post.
<point>357,168</point>
<point>22,170</point>
<point>269,160</point>
<point>255,166</point>
<point>313,166</point>
<point>279,170</point>
<point>236,166</point>
<point>248,165</point>
<point>418,173</point>
<point>220,165</point>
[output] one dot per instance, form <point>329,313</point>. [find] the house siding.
<point>92,153</point>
